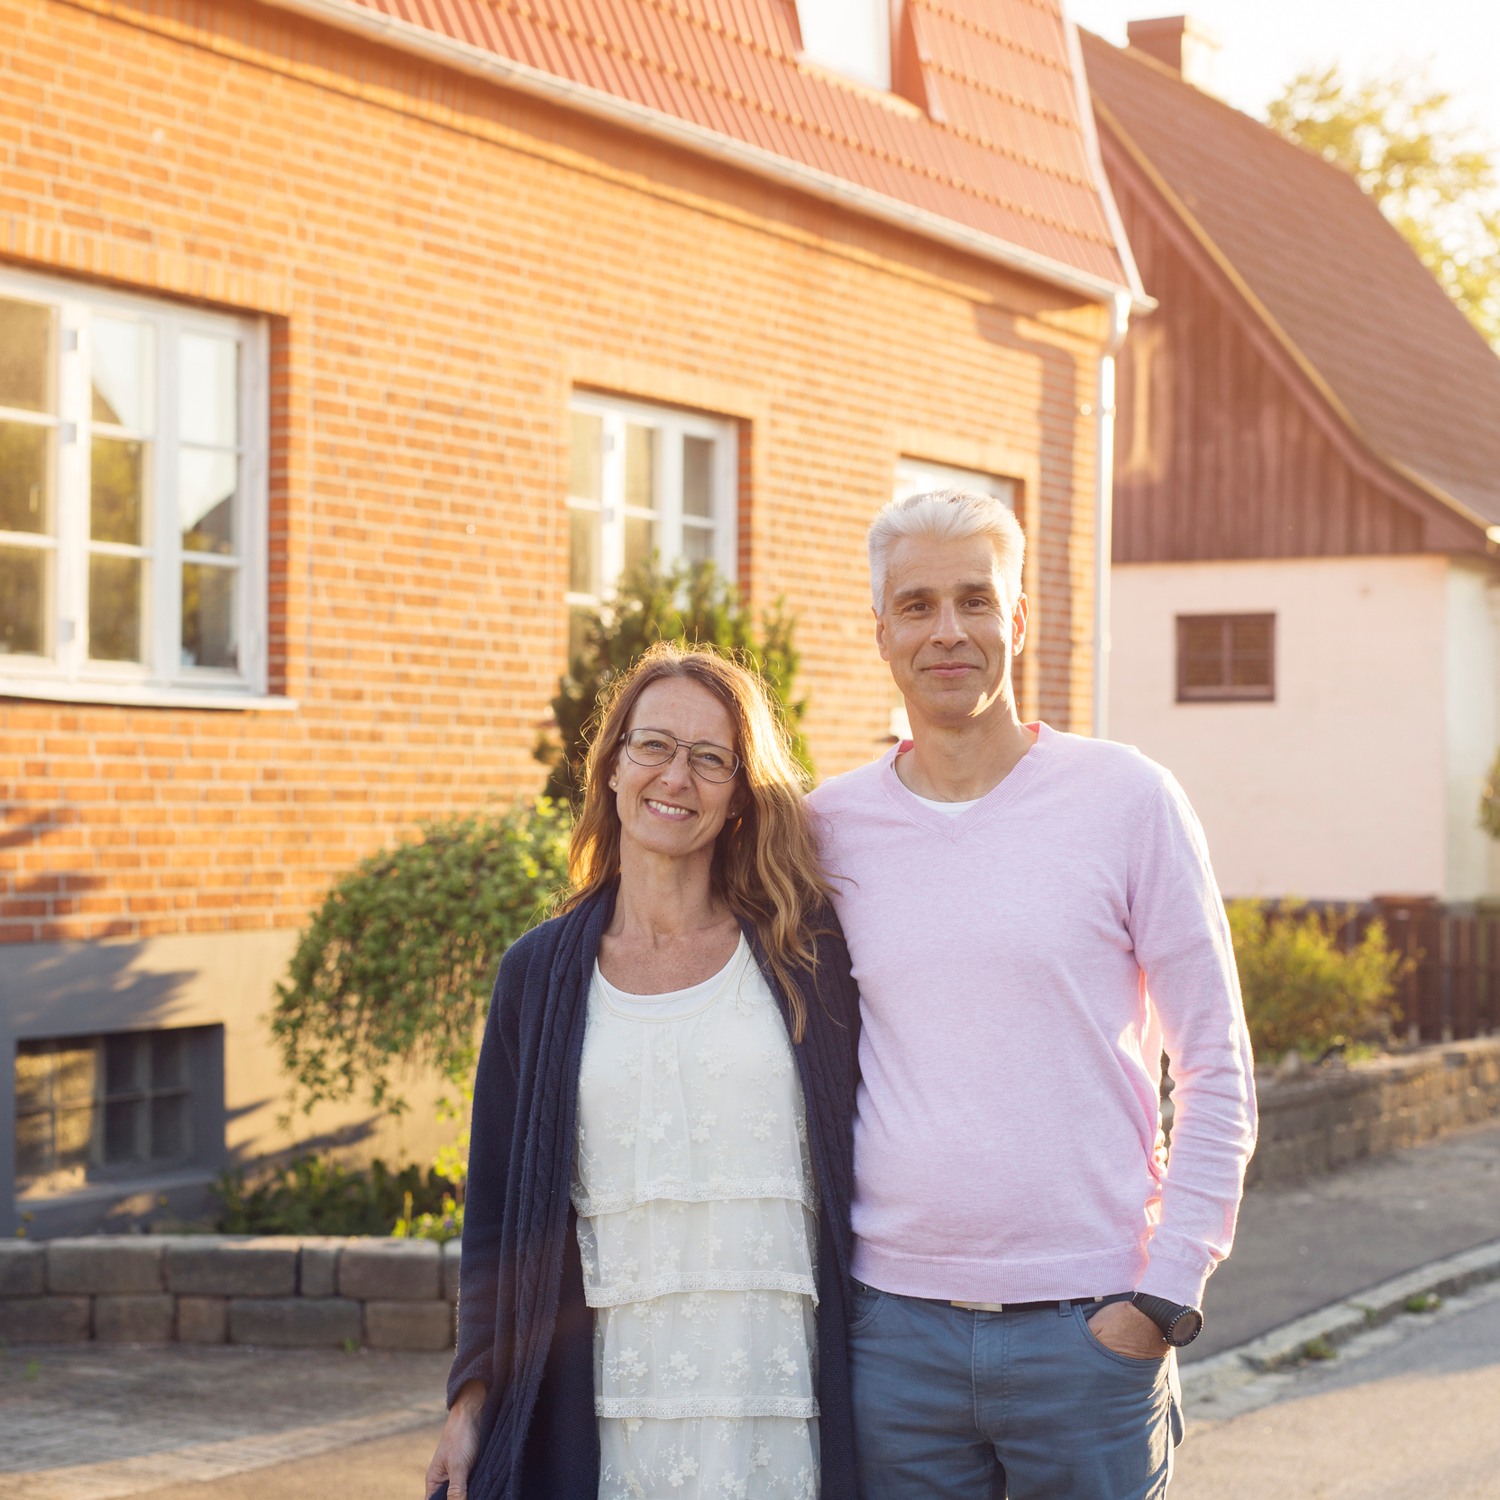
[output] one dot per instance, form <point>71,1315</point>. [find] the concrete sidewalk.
<point>92,1423</point>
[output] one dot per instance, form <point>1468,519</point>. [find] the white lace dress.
<point>696,1223</point>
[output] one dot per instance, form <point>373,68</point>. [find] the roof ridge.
<point>790,115</point>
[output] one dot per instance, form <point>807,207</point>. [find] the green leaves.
<point>1303,990</point>
<point>1431,179</point>
<point>689,603</point>
<point>395,968</point>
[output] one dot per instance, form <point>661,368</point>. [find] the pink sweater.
<point>1006,1141</point>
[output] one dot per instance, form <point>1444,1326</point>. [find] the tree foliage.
<point>1432,179</point>
<point>396,966</point>
<point>1489,801</point>
<point>1304,990</point>
<point>688,603</point>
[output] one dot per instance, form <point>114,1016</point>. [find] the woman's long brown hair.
<point>765,867</point>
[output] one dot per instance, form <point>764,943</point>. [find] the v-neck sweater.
<point>1021,967</point>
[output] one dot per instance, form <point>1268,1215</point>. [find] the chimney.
<point>1186,46</point>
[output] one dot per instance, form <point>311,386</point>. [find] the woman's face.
<point>669,809</point>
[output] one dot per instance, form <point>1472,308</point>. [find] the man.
<point>1033,919</point>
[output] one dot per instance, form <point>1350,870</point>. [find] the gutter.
<point>1104,508</point>
<point>478,62</point>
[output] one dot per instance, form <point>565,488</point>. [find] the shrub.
<point>688,603</point>
<point>1304,991</point>
<point>397,964</point>
<point>313,1195</point>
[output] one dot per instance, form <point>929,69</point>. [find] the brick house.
<point>1307,507</point>
<point>347,345</point>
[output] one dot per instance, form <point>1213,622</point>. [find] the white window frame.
<point>617,414</point>
<point>826,33</point>
<point>916,476</point>
<point>65,672</point>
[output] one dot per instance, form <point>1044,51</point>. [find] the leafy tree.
<point>396,967</point>
<point>1397,134</point>
<point>689,603</point>
<point>1489,801</point>
<point>1304,989</point>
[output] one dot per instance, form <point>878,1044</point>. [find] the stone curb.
<point>1338,1322</point>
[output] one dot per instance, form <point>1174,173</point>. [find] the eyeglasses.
<point>655,747</point>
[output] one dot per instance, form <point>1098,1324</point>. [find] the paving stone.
<point>202,1320</point>
<point>408,1325</point>
<point>318,1266</point>
<point>392,1270</point>
<point>205,1266</point>
<point>451,1251</point>
<point>108,1264</point>
<point>44,1320</point>
<point>23,1269</point>
<point>294,1322</point>
<point>142,1318</point>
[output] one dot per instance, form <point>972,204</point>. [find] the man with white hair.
<point>1033,919</point>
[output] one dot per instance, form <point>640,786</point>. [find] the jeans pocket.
<point>866,1302</point>
<point>1153,1363</point>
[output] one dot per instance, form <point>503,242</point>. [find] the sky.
<point>1267,42</point>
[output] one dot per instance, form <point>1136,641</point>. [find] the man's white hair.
<point>947,515</point>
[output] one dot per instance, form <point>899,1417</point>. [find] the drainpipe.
<point>1104,449</point>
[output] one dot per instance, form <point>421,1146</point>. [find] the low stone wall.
<point>1328,1117</point>
<point>216,1289</point>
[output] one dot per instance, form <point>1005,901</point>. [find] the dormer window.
<point>852,37</point>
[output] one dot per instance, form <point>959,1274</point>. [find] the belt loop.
<point>1064,1307</point>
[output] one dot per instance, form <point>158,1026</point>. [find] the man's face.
<point>948,627</point>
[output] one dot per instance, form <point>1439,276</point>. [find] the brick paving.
<point>91,1423</point>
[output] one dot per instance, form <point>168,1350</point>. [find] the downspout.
<point>1104,511</point>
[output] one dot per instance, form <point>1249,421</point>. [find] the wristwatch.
<point>1179,1325</point>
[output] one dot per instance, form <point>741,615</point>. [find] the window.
<point>852,37</point>
<point>132,495</point>
<point>102,1107</point>
<point>1226,658</point>
<point>915,476</point>
<point>644,480</point>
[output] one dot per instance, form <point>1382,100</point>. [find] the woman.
<point>655,1253</point>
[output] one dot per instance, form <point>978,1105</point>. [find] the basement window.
<point>1226,658</point>
<point>100,1108</point>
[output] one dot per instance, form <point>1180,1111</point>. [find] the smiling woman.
<point>673,1058</point>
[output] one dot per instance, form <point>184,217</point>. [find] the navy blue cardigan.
<point>523,1325</point>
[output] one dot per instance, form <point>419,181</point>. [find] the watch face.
<point>1186,1326</point>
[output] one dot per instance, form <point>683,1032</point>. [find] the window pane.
<point>74,1144</point>
<point>33,1079</point>
<point>23,601</point>
<point>206,484</point>
<point>75,1074</point>
<point>586,469</point>
<point>640,540</point>
<point>117,491</point>
<point>24,451</point>
<point>116,591</point>
<point>697,544</point>
<point>118,366</point>
<point>697,476</point>
<point>640,466</point>
<point>125,1063</point>
<point>125,1125</point>
<point>168,1059</point>
<point>208,627</point>
<point>25,355</point>
<point>33,1145</point>
<point>850,36</point>
<point>208,404</point>
<point>583,551</point>
<point>169,1126</point>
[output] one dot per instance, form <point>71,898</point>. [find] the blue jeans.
<point>1004,1406</point>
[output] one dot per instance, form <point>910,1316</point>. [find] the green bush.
<point>1303,992</point>
<point>396,967</point>
<point>687,603</point>
<point>313,1195</point>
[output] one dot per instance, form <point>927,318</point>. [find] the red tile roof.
<point>1002,150</point>
<point>1417,384</point>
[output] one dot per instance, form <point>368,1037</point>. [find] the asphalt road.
<point>1411,1410</point>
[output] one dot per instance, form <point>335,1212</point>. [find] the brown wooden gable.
<point>1224,447</point>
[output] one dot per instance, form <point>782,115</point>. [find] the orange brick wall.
<point>440,262</point>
